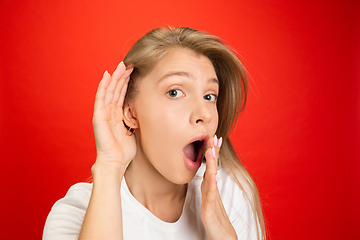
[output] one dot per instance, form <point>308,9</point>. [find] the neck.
<point>160,196</point>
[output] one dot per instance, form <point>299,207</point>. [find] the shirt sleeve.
<point>67,215</point>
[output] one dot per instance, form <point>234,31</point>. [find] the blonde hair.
<point>149,49</point>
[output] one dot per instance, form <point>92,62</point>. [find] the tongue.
<point>189,152</point>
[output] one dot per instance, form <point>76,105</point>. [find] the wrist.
<point>107,172</point>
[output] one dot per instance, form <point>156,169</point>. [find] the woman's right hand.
<point>115,150</point>
<point>114,147</point>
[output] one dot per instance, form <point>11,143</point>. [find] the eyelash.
<point>205,97</point>
<point>214,95</point>
<point>175,89</point>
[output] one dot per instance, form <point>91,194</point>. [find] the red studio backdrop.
<point>299,135</point>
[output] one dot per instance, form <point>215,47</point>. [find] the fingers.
<point>211,155</point>
<point>211,165</point>
<point>110,91</point>
<point>209,186</point>
<point>213,214</point>
<point>120,102</point>
<point>210,193</point>
<point>121,88</point>
<point>101,91</point>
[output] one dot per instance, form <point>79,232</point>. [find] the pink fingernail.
<point>121,63</point>
<point>215,140</point>
<point>216,177</point>
<point>213,152</point>
<point>105,73</point>
<point>220,142</point>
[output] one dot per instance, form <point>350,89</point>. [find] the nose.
<point>200,113</point>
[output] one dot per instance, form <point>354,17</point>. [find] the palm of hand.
<point>113,145</point>
<point>216,221</point>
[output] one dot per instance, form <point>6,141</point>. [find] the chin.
<point>184,178</point>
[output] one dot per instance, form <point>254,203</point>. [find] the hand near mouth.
<point>213,214</point>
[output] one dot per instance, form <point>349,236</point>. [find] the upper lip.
<point>200,137</point>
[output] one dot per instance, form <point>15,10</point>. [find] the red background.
<point>299,135</point>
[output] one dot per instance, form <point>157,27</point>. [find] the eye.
<point>210,97</point>
<point>175,93</point>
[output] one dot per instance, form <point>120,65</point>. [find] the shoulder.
<point>66,216</point>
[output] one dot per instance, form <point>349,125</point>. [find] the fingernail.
<point>220,142</point>
<point>215,140</point>
<point>216,177</point>
<point>105,73</point>
<point>121,63</point>
<point>213,152</point>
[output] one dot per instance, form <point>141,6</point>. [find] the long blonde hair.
<point>149,49</point>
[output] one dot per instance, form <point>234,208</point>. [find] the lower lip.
<point>192,165</point>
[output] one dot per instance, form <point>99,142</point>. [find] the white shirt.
<point>66,216</point>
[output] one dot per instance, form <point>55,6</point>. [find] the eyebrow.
<point>185,74</point>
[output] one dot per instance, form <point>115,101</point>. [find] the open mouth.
<point>194,150</point>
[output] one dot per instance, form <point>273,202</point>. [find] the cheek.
<point>161,119</point>
<point>160,128</point>
<point>215,122</point>
<point>161,135</point>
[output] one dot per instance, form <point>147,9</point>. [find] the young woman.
<point>161,170</point>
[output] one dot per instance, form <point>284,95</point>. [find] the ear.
<point>130,117</point>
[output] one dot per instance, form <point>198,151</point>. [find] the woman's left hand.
<point>213,214</point>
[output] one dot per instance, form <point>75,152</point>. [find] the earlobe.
<point>129,117</point>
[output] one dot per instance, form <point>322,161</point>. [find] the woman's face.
<point>175,106</point>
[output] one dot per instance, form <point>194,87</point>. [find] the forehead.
<point>184,61</point>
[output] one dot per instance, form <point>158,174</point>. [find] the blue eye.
<point>210,97</point>
<point>175,93</point>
